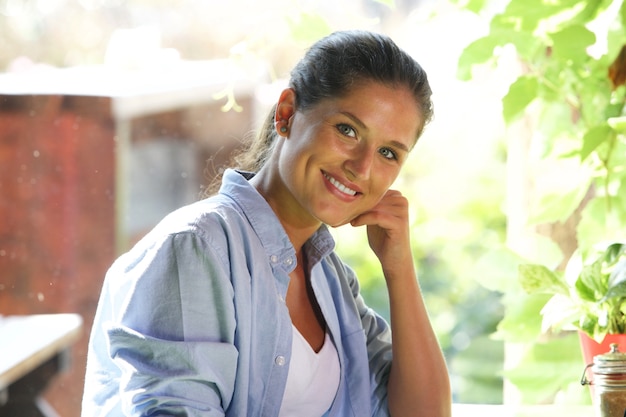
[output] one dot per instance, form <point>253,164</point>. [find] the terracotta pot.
<point>591,348</point>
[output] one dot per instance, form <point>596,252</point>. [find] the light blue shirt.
<point>192,321</point>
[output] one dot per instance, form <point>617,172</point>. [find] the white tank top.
<point>312,380</point>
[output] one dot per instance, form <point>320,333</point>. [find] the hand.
<point>388,231</point>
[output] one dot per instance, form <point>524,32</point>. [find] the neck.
<point>298,228</point>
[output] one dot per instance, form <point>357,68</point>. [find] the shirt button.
<point>288,261</point>
<point>280,360</point>
<point>274,258</point>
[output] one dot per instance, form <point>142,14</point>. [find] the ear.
<point>286,106</point>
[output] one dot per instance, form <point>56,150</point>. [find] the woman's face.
<point>341,155</point>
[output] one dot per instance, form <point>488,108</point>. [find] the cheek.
<point>384,178</point>
<point>295,159</point>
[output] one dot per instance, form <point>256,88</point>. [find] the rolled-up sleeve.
<point>163,378</point>
<point>168,323</point>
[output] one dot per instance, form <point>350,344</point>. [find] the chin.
<point>330,219</point>
<point>337,223</point>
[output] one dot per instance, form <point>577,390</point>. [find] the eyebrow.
<point>362,125</point>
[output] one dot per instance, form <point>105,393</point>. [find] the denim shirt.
<point>192,321</point>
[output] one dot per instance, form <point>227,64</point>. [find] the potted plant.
<point>589,296</point>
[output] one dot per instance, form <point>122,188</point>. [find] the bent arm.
<point>418,383</point>
<point>163,333</point>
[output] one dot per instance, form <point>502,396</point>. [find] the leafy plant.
<point>572,57</point>
<point>589,296</point>
<point>568,86</point>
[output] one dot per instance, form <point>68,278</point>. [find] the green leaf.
<point>506,31</point>
<point>570,44</point>
<point>521,93</point>
<point>471,5</point>
<point>522,319</point>
<point>593,138</point>
<point>554,13</point>
<point>591,276</point>
<point>308,27</point>
<point>526,13</point>
<point>590,11</point>
<point>618,124</point>
<point>614,253</point>
<point>478,52</point>
<point>560,312</point>
<point>540,279</point>
<point>584,291</point>
<point>617,281</point>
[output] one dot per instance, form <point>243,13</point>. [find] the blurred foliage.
<point>571,91</point>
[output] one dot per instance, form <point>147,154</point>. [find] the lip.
<point>337,190</point>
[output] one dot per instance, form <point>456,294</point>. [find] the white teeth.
<point>340,186</point>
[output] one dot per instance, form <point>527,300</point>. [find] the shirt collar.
<point>267,226</point>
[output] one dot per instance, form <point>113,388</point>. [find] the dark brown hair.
<point>330,68</point>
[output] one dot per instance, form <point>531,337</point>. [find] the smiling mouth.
<point>346,190</point>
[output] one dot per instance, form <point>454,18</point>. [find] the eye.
<point>388,153</point>
<point>346,130</point>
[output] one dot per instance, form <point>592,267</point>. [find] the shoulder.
<point>205,226</point>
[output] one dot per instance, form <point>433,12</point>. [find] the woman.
<point>237,305</point>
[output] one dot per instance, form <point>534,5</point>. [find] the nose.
<point>359,164</point>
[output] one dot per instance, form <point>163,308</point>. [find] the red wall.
<point>57,215</point>
<point>57,203</point>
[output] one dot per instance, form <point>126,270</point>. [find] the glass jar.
<point>609,381</point>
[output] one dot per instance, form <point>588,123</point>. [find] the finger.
<point>389,212</point>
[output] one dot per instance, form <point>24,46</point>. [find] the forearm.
<point>418,382</point>
<point>419,378</point>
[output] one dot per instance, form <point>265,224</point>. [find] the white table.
<point>31,354</point>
